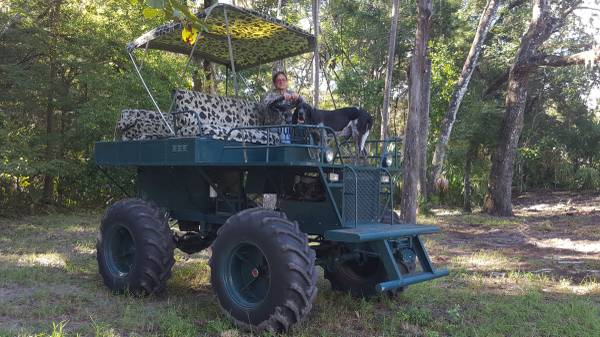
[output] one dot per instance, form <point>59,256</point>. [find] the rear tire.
<point>134,248</point>
<point>263,270</point>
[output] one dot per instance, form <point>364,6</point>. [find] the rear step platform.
<point>378,237</point>
<point>374,232</point>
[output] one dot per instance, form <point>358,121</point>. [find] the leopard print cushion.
<point>138,124</point>
<point>199,114</point>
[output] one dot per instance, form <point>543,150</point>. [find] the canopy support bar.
<point>137,70</point>
<point>230,47</point>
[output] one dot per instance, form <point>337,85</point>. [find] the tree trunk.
<point>48,187</point>
<point>411,145</point>
<point>208,85</point>
<point>383,134</point>
<point>486,22</point>
<point>279,65</point>
<point>316,63</point>
<point>501,174</point>
<point>500,180</point>
<point>424,130</point>
<point>467,179</point>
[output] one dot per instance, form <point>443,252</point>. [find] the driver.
<point>280,81</point>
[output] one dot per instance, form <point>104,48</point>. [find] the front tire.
<point>263,270</point>
<point>134,248</point>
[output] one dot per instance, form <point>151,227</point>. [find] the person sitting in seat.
<point>280,81</point>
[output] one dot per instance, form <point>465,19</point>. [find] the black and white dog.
<point>344,119</point>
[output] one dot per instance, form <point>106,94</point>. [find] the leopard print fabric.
<point>200,114</point>
<point>138,124</point>
<point>256,38</point>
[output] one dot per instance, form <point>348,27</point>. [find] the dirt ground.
<point>557,234</point>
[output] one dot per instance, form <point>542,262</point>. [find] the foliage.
<point>63,62</point>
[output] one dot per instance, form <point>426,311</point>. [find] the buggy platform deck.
<point>202,151</point>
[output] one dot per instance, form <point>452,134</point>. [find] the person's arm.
<point>293,96</point>
<point>270,97</point>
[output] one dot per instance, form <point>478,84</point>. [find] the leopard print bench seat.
<point>139,124</point>
<point>199,114</point>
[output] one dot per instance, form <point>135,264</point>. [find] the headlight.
<point>334,177</point>
<point>387,161</point>
<point>329,155</point>
<point>385,179</point>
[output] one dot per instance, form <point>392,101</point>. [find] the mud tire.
<point>134,248</point>
<point>262,248</point>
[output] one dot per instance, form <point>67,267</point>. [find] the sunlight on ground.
<point>86,248</point>
<point>582,246</point>
<point>49,259</point>
<point>560,207</point>
<point>509,283</point>
<point>230,333</point>
<point>485,261</point>
<point>515,283</point>
<point>81,228</point>
<point>446,211</point>
<point>585,288</point>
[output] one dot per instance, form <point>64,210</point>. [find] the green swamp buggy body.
<point>208,165</point>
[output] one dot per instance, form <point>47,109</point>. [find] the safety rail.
<point>390,146</point>
<point>294,137</point>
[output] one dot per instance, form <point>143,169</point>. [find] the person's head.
<point>280,80</point>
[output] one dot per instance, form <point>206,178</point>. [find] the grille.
<point>364,198</point>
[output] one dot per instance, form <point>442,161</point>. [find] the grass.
<point>49,286</point>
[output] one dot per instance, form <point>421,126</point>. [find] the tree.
<point>390,68</point>
<point>486,22</point>
<point>418,65</point>
<point>424,129</point>
<point>528,59</point>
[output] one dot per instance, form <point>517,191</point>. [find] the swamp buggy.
<point>206,166</point>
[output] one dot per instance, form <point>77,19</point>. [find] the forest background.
<point>65,76</point>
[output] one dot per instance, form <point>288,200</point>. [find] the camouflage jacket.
<point>269,117</point>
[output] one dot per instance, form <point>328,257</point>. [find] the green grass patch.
<point>49,285</point>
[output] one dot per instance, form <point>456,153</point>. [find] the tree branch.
<point>588,56</point>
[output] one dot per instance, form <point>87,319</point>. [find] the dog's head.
<point>302,114</point>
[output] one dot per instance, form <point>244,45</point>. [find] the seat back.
<point>199,114</point>
<point>140,124</point>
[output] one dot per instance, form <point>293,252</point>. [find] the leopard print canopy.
<point>256,38</point>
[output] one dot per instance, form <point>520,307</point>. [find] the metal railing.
<point>301,136</point>
<point>376,149</point>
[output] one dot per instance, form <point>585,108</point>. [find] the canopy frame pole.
<point>230,47</point>
<point>185,69</point>
<point>137,70</point>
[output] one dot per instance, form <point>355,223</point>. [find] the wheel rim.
<point>120,251</point>
<point>247,277</point>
